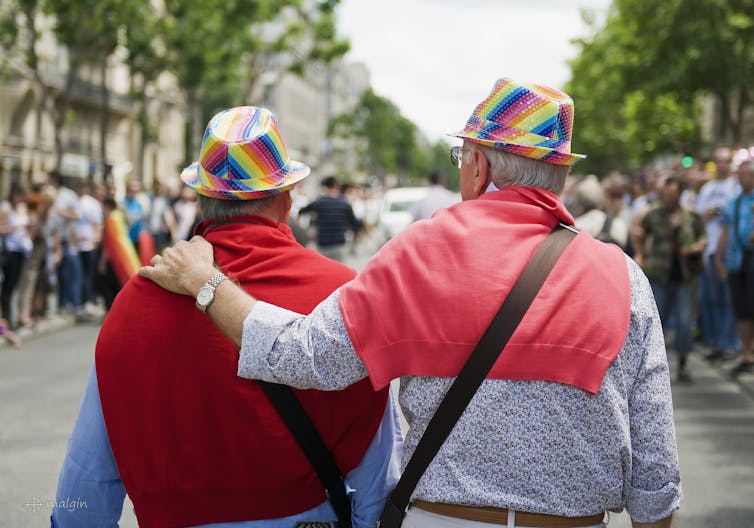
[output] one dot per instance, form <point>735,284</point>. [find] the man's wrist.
<point>223,284</point>
<point>197,280</point>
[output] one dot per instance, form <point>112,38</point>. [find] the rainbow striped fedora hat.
<point>530,120</point>
<point>243,157</point>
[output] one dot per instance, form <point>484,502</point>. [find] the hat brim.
<point>546,154</point>
<point>225,189</point>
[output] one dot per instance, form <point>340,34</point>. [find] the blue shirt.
<point>715,194</point>
<point>90,481</point>
<point>736,244</point>
<point>134,215</point>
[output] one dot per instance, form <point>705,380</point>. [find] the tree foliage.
<point>219,49</point>
<point>638,79</point>
<point>216,49</point>
<point>389,143</point>
<point>440,163</point>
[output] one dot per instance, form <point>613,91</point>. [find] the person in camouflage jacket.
<point>669,244</point>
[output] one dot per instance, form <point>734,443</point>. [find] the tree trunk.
<point>193,126</point>
<point>248,93</point>
<point>196,129</point>
<point>188,140</point>
<point>723,124</point>
<point>143,130</point>
<point>62,110</point>
<point>737,127</point>
<point>104,123</point>
<point>42,92</point>
<point>142,144</point>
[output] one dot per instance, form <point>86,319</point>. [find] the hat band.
<point>211,179</point>
<point>260,175</point>
<point>492,131</point>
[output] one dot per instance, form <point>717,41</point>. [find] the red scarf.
<point>420,307</point>
<point>194,443</point>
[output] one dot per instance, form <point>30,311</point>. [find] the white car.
<point>396,209</point>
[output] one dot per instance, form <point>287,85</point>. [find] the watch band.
<point>210,285</point>
<point>216,279</point>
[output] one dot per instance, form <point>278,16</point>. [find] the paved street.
<point>41,387</point>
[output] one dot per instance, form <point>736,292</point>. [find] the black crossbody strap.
<point>475,370</point>
<point>323,462</point>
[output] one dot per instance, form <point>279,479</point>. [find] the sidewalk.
<point>54,323</point>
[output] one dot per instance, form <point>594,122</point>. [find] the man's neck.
<point>273,217</point>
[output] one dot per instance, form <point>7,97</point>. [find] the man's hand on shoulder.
<point>183,268</point>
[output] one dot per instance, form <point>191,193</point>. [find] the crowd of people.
<point>670,221</point>
<point>53,258</point>
<point>690,230</point>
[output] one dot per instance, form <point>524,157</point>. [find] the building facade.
<point>305,104</point>
<point>28,103</point>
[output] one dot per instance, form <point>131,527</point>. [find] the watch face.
<point>204,296</point>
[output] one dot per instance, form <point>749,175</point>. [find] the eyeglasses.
<point>456,156</point>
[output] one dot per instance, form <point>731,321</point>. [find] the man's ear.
<point>482,174</point>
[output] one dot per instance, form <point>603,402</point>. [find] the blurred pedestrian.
<point>715,302</point>
<point>37,206</point>
<point>734,262</point>
<point>47,282</point>
<point>437,197</point>
<point>137,208</point>
<point>606,225</point>
<point>106,282</point>
<point>158,404</point>
<point>618,213</point>
<point>61,225</point>
<point>334,217</point>
<point>15,228</point>
<point>8,334</point>
<point>89,229</point>
<point>185,214</point>
<point>160,215</point>
<point>583,380</point>
<point>669,248</point>
<point>645,194</point>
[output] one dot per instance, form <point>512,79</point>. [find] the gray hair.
<point>511,169</point>
<point>215,210</point>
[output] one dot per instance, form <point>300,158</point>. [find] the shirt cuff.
<point>261,329</point>
<point>650,506</point>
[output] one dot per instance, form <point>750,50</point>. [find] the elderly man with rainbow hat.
<point>166,419</point>
<point>573,419</point>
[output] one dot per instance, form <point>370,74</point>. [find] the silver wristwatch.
<point>207,293</point>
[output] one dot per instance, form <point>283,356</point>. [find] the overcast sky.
<point>436,59</point>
